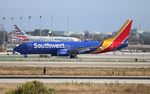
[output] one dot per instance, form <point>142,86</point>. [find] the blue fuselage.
<point>57,48</point>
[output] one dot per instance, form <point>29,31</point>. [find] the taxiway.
<point>78,79</point>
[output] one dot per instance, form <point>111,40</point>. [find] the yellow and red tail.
<point>120,40</point>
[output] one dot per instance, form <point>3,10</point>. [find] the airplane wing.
<point>81,50</point>
<point>78,50</point>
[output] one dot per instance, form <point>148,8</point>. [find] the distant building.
<point>146,37</point>
<point>135,33</point>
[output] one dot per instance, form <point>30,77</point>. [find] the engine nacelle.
<point>63,52</point>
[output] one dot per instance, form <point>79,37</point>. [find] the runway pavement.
<point>117,55</point>
<point>77,64</point>
<point>109,60</point>
<point>74,79</point>
<point>106,57</point>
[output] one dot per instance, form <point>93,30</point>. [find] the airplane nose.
<point>15,50</point>
<point>20,49</point>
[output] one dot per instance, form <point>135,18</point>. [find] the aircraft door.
<point>29,46</point>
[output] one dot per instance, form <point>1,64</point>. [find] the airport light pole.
<point>29,23</point>
<point>20,25</point>
<point>40,27</point>
<point>4,32</point>
<point>52,25</point>
<point>21,20</point>
<point>68,25</point>
<point>12,19</point>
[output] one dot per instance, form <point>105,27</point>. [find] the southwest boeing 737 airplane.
<point>118,41</point>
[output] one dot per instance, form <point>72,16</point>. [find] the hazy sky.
<point>95,15</point>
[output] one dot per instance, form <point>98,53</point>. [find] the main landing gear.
<point>25,56</point>
<point>73,54</point>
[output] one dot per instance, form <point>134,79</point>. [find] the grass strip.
<point>79,71</point>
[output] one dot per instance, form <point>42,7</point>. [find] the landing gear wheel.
<point>25,56</point>
<point>73,55</point>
